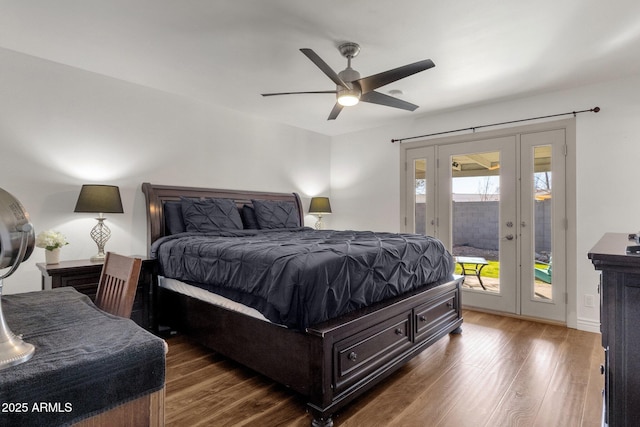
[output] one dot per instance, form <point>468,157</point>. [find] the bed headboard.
<point>157,195</point>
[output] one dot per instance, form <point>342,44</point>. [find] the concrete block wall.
<point>477,224</point>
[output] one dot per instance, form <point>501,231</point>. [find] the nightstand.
<point>84,275</point>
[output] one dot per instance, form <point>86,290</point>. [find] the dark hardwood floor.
<point>500,371</point>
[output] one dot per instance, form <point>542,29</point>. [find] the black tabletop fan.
<point>16,244</point>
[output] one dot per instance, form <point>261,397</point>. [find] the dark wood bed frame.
<point>331,363</point>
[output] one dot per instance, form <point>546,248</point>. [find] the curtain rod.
<point>595,110</point>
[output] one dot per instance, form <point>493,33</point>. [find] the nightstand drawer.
<point>86,283</point>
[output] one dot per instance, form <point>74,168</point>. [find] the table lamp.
<point>99,199</point>
<point>319,206</point>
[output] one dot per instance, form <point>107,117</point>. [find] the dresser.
<point>620,327</point>
<point>83,275</point>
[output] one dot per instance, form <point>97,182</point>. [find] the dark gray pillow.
<point>173,220</point>
<point>249,219</point>
<point>276,214</point>
<point>206,215</point>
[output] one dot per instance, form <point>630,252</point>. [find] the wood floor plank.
<point>478,402</point>
<point>432,405</point>
<point>500,371</point>
<point>592,414</point>
<point>207,394</point>
<point>564,401</point>
<point>523,399</point>
<point>400,390</point>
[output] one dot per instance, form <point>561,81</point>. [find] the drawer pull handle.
<point>422,318</point>
<point>399,331</point>
<point>450,304</point>
<point>352,356</point>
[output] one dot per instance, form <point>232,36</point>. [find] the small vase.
<point>52,257</point>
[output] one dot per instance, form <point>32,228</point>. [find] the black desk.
<point>85,362</point>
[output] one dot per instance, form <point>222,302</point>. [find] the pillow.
<point>276,214</point>
<point>249,219</point>
<point>173,221</point>
<point>206,215</point>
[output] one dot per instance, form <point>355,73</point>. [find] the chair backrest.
<point>118,283</point>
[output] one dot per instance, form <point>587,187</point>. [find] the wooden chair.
<point>118,284</point>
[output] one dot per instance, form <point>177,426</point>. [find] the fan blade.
<point>299,93</point>
<point>367,84</point>
<point>324,67</point>
<point>382,99</point>
<point>334,113</point>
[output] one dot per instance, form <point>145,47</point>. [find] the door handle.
<point>509,237</point>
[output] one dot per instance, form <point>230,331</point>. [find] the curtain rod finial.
<point>596,109</point>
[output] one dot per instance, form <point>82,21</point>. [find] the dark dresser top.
<point>611,250</point>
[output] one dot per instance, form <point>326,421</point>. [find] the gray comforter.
<point>300,277</point>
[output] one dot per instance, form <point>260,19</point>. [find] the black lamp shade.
<point>320,205</point>
<point>99,199</point>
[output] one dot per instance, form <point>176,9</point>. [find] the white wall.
<point>62,127</point>
<point>365,168</point>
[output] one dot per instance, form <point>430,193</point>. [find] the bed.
<point>332,357</point>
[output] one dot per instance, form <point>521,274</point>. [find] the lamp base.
<point>319,224</point>
<point>97,258</point>
<point>100,234</point>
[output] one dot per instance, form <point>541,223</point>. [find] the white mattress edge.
<point>208,297</point>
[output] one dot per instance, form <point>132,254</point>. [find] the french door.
<point>420,182</point>
<point>498,205</point>
<point>543,225</point>
<point>477,211</point>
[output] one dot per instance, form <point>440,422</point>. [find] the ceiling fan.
<point>350,88</point>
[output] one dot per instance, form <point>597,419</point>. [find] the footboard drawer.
<point>431,316</point>
<point>362,354</point>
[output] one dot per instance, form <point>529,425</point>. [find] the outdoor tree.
<point>487,189</point>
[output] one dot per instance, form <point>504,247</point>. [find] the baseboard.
<point>588,325</point>
<point>515,316</point>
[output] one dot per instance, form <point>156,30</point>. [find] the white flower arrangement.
<point>50,240</point>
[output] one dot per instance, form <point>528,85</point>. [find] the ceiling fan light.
<point>348,99</point>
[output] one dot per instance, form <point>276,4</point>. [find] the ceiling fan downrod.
<point>349,96</point>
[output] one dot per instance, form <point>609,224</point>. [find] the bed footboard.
<point>361,350</point>
<point>331,363</point>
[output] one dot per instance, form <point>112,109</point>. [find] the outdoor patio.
<point>542,289</point>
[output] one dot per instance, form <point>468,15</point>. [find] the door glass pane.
<point>475,215</point>
<point>420,195</point>
<point>542,220</point>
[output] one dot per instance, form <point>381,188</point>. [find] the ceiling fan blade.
<point>375,81</point>
<point>299,93</point>
<point>334,113</point>
<point>382,99</point>
<point>324,67</point>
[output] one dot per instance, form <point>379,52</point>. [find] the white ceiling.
<point>228,52</point>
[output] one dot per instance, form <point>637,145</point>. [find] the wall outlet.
<point>589,301</point>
